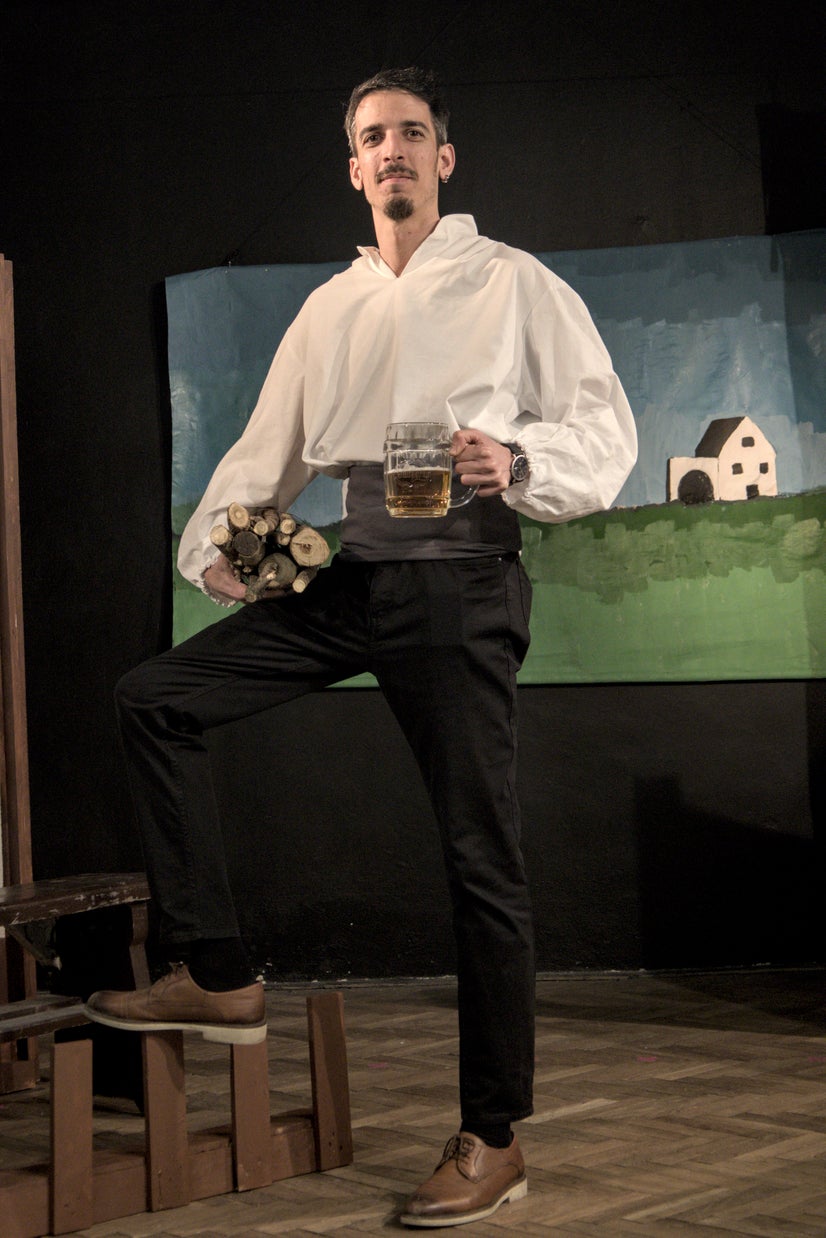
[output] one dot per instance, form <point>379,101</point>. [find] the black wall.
<point>667,826</point>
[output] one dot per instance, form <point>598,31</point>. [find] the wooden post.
<point>18,972</point>
<point>139,966</point>
<point>167,1142</point>
<point>16,819</point>
<point>251,1136</point>
<point>331,1089</point>
<point>70,1175</point>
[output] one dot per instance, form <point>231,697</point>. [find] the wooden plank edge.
<point>119,1178</point>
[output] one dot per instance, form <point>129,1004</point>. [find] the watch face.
<point>519,468</point>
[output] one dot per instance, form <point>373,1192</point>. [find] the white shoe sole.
<point>223,1033</point>
<point>518,1191</point>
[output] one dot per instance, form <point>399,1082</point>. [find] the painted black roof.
<point>717,435</point>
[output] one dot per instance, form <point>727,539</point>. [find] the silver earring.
<point>445,179</point>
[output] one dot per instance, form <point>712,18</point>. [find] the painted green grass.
<point>724,591</point>
<point>662,593</point>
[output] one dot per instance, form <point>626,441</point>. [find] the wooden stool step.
<point>263,1148</point>
<point>81,1188</point>
<point>40,1015</point>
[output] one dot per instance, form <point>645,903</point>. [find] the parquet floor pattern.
<point>688,1104</point>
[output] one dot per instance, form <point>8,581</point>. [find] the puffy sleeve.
<point>576,425</point>
<point>264,468</point>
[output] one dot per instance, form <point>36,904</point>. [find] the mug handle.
<point>471,491</point>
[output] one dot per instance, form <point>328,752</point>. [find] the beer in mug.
<point>418,470</point>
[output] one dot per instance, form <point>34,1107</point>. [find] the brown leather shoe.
<point>176,1002</point>
<point>470,1183</point>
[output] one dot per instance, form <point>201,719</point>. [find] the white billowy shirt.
<point>474,333</point>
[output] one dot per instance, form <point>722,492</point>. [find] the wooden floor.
<point>665,1105</point>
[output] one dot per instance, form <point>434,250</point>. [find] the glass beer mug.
<point>418,470</point>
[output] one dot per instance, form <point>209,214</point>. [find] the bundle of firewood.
<point>270,549</point>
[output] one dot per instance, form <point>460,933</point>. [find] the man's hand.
<point>222,580</point>
<point>481,461</point>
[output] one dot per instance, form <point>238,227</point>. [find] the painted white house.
<point>734,460</point>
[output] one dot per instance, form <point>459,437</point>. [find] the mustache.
<point>396,169</point>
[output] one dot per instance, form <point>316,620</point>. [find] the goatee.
<point>398,208</point>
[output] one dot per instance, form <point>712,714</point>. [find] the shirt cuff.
<point>204,587</point>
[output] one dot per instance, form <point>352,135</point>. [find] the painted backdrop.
<point>651,590</point>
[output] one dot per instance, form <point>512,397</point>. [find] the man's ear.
<point>447,160</point>
<point>355,174</point>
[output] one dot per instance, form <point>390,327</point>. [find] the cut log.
<point>308,547</point>
<point>249,541</point>
<point>222,538</point>
<point>248,547</point>
<point>238,517</point>
<point>304,578</point>
<point>280,566</point>
<point>257,587</point>
<point>276,571</point>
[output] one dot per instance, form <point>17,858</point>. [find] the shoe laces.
<point>457,1148</point>
<point>175,969</point>
<point>451,1150</point>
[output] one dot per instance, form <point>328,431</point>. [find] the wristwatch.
<point>520,468</point>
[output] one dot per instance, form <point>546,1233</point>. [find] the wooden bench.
<point>68,896</point>
<point>40,903</point>
<point>80,1187</point>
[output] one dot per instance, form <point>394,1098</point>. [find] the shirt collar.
<point>450,230</point>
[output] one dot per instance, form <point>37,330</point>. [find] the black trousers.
<point>444,639</point>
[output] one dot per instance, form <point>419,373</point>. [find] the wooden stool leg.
<point>167,1142</point>
<point>70,1176</point>
<point>331,1089</point>
<point>251,1134</point>
<point>139,920</point>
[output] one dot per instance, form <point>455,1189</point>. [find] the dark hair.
<point>419,82</point>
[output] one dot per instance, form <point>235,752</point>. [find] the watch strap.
<point>518,452</point>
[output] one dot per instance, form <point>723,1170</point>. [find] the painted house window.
<point>748,441</point>
<point>736,468</point>
<point>764,468</point>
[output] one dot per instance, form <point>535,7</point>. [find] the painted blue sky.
<point>696,331</point>
<point>714,329</point>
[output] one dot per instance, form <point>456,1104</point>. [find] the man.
<point>433,323</point>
